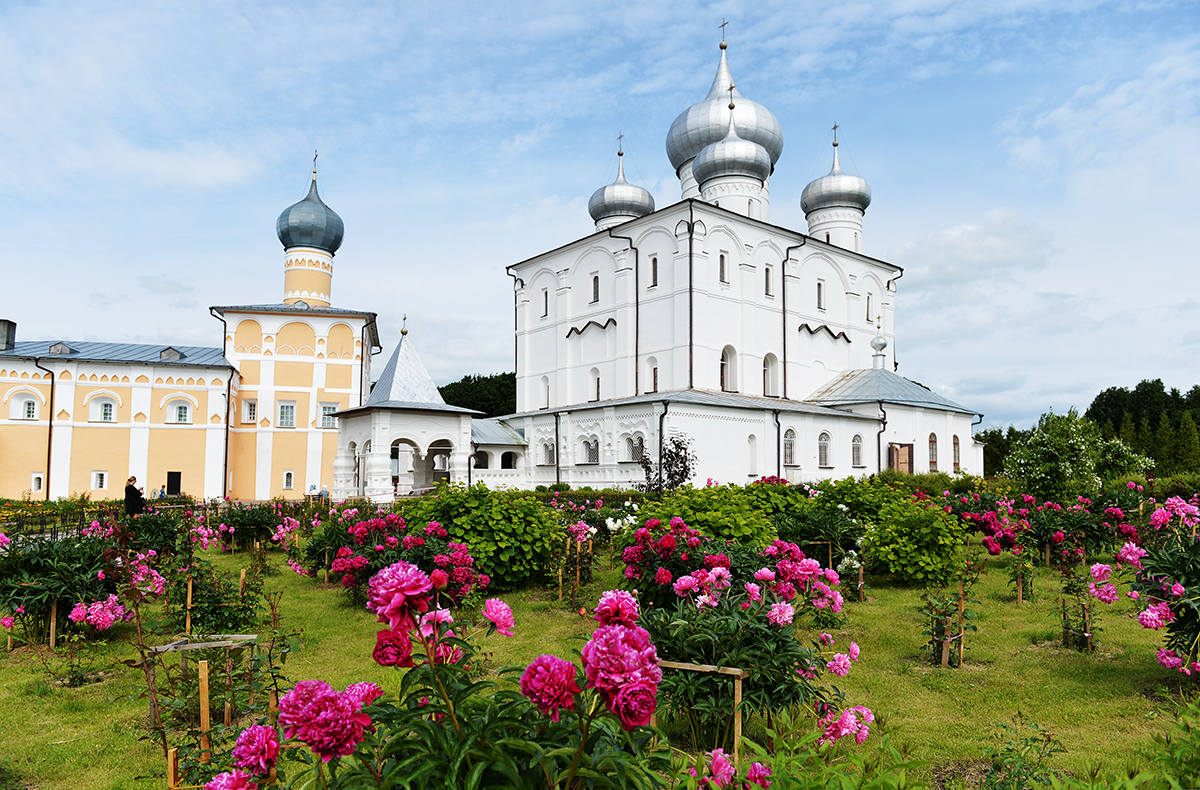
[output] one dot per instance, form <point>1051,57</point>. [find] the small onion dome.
<point>732,156</point>
<point>310,223</point>
<point>878,343</point>
<point>706,121</point>
<point>836,189</point>
<point>620,198</point>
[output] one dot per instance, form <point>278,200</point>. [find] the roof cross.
<point>620,147</point>
<point>724,22</point>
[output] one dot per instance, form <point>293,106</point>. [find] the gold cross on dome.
<point>835,128</point>
<point>724,22</point>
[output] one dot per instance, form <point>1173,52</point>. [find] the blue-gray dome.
<point>310,223</point>
<point>620,198</point>
<point>732,156</point>
<point>836,189</point>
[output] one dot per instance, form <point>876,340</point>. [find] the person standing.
<point>135,504</point>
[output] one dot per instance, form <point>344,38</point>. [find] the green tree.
<point>494,395</point>
<point>996,445</point>
<point>1145,437</point>
<point>1163,451</point>
<point>1187,446</point>
<point>1127,432</point>
<point>1066,453</point>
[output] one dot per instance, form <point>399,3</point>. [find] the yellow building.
<point>252,419</point>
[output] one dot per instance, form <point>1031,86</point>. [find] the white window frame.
<point>856,454</point>
<point>289,480</point>
<point>100,480</point>
<point>823,443</point>
<point>107,412</point>
<point>279,412</point>
<point>250,410</point>
<point>789,447</point>
<point>27,406</point>
<point>820,294</point>
<point>327,410</point>
<point>653,272</point>
<point>595,289</point>
<point>723,269</point>
<point>35,482</point>
<point>933,452</point>
<point>173,408</point>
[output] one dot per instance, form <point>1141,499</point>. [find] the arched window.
<point>752,454</point>
<point>288,480</point>
<point>591,452</point>
<point>654,271</point>
<point>771,376</point>
<point>547,454</point>
<point>595,289</point>
<point>508,461</point>
<point>651,380</point>
<point>767,280</point>
<point>957,457</point>
<point>932,452</point>
<point>722,271</point>
<point>545,392</point>
<point>729,370</point>
<point>102,409</point>
<point>481,459</point>
<point>820,295</point>
<point>594,384</point>
<point>789,447</point>
<point>179,412</point>
<point>856,451</point>
<point>823,449</point>
<point>634,447</point>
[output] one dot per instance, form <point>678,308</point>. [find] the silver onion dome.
<point>310,223</point>
<point>706,122</point>
<point>620,198</point>
<point>838,188</point>
<point>879,343</point>
<point>732,156</point>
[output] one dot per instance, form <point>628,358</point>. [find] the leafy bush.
<point>916,540</point>
<point>36,573</point>
<point>721,512</point>
<point>218,605</point>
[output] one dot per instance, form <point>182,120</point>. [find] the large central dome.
<point>707,122</point>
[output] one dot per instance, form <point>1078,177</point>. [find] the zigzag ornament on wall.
<point>579,329</point>
<point>830,332</point>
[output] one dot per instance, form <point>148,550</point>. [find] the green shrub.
<point>720,512</point>
<point>917,541</point>
<point>35,573</point>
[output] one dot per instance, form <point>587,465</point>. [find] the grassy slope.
<point>1101,706</point>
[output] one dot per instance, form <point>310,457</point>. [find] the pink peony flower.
<point>7,621</point>
<point>431,619</point>
<point>617,656</point>
<point>549,683</point>
<point>1160,518</point>
<point>397,593</point>
<point>781,614</point>
<point>1132,554</point>
<point>439,579</point>
<point>1108,593</point>
<point>1059,537</point>
<point>720,578</point>
<point>663,576</point>
<point>721,767</point>
<point>757,775</point>
<point>1177,589</point>
<point>754,591</point>
<point>257,749</point>
<point>825,639</point>
<point>1169,659</point>
<point>499,613</point>
<point>364,693</point>
<point>854,651</point>
<point>634,704</point>
<point>1156,616</point>
<point>1101,572</point>
<point>840,665</point>
<point>4,540</point>
<point>331,724</point>
<point>393,649</point>
<point>231,780</point>
<point>685,584</point>
<point>764,575</point>
<point>616,606</point>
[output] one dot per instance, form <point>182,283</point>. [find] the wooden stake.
<point>737,720</point>
<point>1020,588</point>
<point>53,622</point>
<point>273,706</point>
<point>861,598</point>
<point>577,562</point>
<point>205,747</point>
<point>242,583</point>
<point>172,769</point>
<point>962,632</point>
<point>1047,555</point>
<point>560,570</point>
<point>187,629</point>
<point>946,644</point>
<point>1087,627</point>
<point>829,545</point>
<point>228,687</point>
<point>327,566</point>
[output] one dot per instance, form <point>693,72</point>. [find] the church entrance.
<point>900,457</point>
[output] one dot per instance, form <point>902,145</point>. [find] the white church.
<point>767,346</point>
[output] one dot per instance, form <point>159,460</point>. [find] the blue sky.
<point>1034,165</point>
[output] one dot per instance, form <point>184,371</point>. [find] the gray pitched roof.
<point>87,351</point>
<point>405,379</point>
<point>492,431</point>
<point>871,386</point>
<point>706,398</point>
<point>409,406</point>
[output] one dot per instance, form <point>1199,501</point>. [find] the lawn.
<point>1103,707</point>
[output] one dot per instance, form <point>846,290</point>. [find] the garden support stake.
<point>861,598</point>
<point>946,644</point>
<point>228,687</point>
<point>242,583</point>
<point>187,627</point>
<point>1020,589</point>
<point>172,769</point>
<point>962,631</point>
<point>53,621</point>
<point>205,746</point>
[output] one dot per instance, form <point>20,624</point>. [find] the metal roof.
<point>492,431</point>
<point>706,398</point>
<point>410,406</point>
<point>304,308</point>
<point>404,378</point>
<point>874,385</point>
<point>87,351</point>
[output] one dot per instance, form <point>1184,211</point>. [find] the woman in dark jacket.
<point>134,503</point>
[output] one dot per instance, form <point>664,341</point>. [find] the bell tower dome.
<point>311,233</point>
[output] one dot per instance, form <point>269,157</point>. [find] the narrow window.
<point>597,388</point>
<point>639,448</point>
<point>30,410</point>
<point>654,271</point>
<point>820,295</point>
<point>932,452</point>
<point>721,274</point>
<point>856,241</point>
<point>251,411</point>
<point>287,415</point>
<point>548,454</point>
<point>181,413</point>
<point>545,302</point>
<point>827,237</point>
<point>327,418</point>
<point>629,449</point>
<point>593,451</point>
<point>856,451</point>
<point>724,373</point>
<point>767,281</point>
<point>823,450</point>
<point>288,478</point>
<point>100,480</point>
<point>106,412</point>
<point>654,379</point>
<point>957,458</point>
<point>545,392</point>
<point>868,308</point>
<point>595,289</point>
<point>36,483</point>
<point>789,447</point>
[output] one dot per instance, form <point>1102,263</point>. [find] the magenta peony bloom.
<point>685,584</point>
<point>662,576</point>
<point>393,649</point>
<point>4,540</point>
<point>231,780</point>
<point>1108,593</point>
<point>840,665</point>
<point>757,775</point>
<point>781,614</point>
<point>764,575</point>
<point>1177,589</point>
<point>754,591</point>
<point>1156,616</point>
<point>331,724</point>
<point>257,749</point>
<point>616,606</point>
<point>500,614</point>
<point>398,593</point>
<point>721,767</point>
<point>1169,659</point>
<point>549,683</point>
<point>854,651</point>
<point>439,579</point>
<point>364,693</point>
<point>1160,518</point>
<point>634,704</point>
<point>431,619</point>
<point>618,656</point>
<point>1100,572</point>
<point>1059,537</point>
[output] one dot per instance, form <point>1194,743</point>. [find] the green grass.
<point>1103,707</point>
